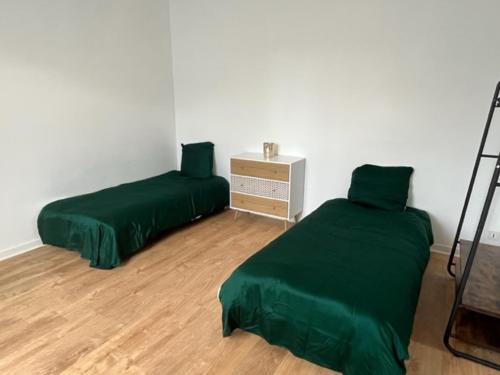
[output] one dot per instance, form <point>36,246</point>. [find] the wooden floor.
<point>158,313</point>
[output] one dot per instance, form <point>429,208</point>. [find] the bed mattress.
<point>339,289</point>
<point>109,225</point>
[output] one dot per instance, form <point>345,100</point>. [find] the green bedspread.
<point>109,225</point>
<point>339,289</point>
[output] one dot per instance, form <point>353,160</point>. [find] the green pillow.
<point>197,160</point>
<point>382,187</point>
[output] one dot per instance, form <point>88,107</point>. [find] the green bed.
<point>109,225</point>
<point>339,289</point>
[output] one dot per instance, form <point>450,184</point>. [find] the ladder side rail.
<point>467,269</point>
<point>494,103</point>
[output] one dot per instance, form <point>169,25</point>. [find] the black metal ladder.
<point>477,236</point>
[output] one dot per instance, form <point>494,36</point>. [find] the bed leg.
<point>286,224</point>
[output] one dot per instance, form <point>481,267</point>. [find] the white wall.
<point>86,102</point>
<point>342,83</point>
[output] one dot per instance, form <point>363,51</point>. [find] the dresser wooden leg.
<point>286,224</point>
<point>236,214</point>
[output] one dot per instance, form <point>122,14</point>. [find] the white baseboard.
<point>19,249</point>
<point>441,249</point>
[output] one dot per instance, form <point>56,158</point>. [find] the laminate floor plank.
<point>158,313</point>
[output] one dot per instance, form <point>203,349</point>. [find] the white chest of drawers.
<point>271,187</point>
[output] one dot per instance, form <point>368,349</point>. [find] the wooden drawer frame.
<point>272,187</point>
<point>252,203</point>
<point>252,168</point>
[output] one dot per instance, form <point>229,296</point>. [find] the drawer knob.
<point>274,190</point>
<point>242,185</point>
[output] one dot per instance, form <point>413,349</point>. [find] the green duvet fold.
<point>109,225</point>
<point>339,289</point>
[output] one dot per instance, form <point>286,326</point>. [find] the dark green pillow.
<point>197,160</point>
<point>382,187</point>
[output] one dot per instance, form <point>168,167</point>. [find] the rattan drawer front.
<point>273,171</point>
<point>262,188</point>
<point>258,204</point>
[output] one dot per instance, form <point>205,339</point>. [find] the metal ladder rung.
<point>489,156</point>
<point>498,103</point>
